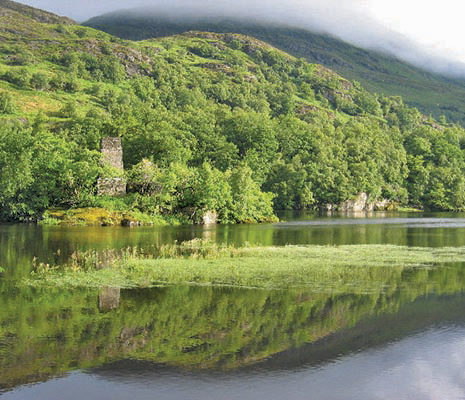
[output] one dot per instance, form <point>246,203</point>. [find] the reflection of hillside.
<point>370,332</point>
<point>45,333</point>
<point>374,331</point>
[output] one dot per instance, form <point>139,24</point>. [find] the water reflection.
<point>44,333</point>
<point>108,299</point>
<point>415,363</point>
<point>428,365</point>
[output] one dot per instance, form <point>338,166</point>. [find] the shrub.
<point>20,57</point>
<point>18,77</point>
<point>39,81</point>
<point>71,84</point>
<point>6,103</point>
<point>69,110</point>
<point>57,82</point>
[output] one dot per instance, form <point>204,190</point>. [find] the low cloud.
<point>349,20</point>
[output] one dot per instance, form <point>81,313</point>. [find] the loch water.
<point>403,341</point>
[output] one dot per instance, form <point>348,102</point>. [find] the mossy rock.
<point>95,216</point>
<point>85,216</point>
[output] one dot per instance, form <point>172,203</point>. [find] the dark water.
<point>403,341</point>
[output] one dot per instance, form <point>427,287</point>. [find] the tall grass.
<point>198,262</point>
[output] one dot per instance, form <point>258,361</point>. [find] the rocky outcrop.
<point>306,108</point>
<point>217,67</point>
<point>360,203</point>
<point>200,217</point>
<point>430,122</point>
<point>210,218</point>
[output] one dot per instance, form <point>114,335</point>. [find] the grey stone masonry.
<point>112,152</point>
<point>112,156</point>
<point>111,187</point>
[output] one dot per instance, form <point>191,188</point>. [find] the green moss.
<point>104,217</point>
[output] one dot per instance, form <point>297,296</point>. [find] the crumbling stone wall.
<point>112,152</point>
<point>112,156</point>
<point>111,186</point>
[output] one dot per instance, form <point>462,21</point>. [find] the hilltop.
<point>379,73</point>
<point>208,122</point>
<point>14,11</point>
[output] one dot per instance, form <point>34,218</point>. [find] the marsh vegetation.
<point>321,268</point>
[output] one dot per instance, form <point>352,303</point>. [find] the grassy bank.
<point>197,263</point>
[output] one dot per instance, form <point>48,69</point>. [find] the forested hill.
<point>208,121</point>
<point>431,93</point>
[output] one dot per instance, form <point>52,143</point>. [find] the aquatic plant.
<point>201,262</point>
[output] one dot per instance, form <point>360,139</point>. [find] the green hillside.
<point>208,122</point>
<point>431,93</point>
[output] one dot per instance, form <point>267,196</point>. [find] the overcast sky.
<point>427,33</point>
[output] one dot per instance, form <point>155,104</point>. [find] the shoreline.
<point>100,216</point>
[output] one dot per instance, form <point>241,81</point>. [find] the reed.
<point>205,263</point>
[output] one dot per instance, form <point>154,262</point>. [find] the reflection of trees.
<point>47,332</point>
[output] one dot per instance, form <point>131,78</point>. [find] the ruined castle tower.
<point>112,156</point>
<point>112,152</point>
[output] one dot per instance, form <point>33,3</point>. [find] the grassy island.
<point>320,268</point>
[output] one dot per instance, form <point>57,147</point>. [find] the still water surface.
<point>404,341</point>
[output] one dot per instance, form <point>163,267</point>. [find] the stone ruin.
<point>112,156</point>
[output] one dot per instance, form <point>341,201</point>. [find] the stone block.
<point>111,187</point>
<point>112,156</point>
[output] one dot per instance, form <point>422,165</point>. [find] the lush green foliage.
<point>208,122</point>
<point>39,169</point>
<point>6,103</point>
